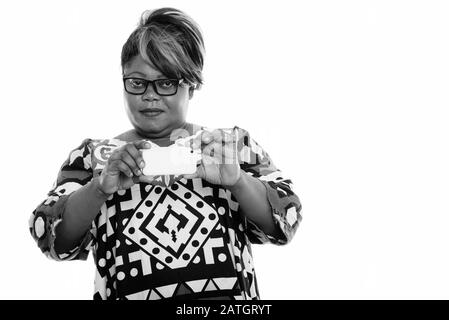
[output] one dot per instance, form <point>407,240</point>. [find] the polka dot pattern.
<point>200,204</point>
<point>39,227</point>
<point>222,257</point>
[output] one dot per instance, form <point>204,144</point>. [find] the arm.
<point>251,195</point>
<point>120,173</point>
<point>45,221</point>
<point>271,209</point>
<point>274,204</point>
<point>81,209</point>
<point>63,224</point>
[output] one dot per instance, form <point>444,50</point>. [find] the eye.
<point>136,83</point>
<point>166,83</point>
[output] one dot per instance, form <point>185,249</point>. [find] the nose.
<point>150,94</point>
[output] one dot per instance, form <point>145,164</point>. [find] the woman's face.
<point>173,109</point>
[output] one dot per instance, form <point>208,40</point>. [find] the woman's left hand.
<point>219,164</point>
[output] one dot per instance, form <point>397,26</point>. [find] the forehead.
<point>139,67</point>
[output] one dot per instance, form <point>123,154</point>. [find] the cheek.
<point>178,102</point>
<point>131,101</point>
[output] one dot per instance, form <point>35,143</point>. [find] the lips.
<point>151,112</point>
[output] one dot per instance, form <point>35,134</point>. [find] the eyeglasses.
<point>163,87</point>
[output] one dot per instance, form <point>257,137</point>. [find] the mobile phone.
<point>174,159</point>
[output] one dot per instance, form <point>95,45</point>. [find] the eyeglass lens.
<point>161,86</point>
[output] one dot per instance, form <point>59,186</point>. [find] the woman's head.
<point>167,44</point>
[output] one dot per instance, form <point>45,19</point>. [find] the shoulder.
<point>241,136</point>
<point>91,146</point>
<point>241,132</point>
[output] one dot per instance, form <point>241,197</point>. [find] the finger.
<point>136,179</point>
<point>229,147</point>
<point>218,151</point>
<point>136,155</point>
<point>228,137</point>
<point>130,162</point>
<point>218,135</point>
<point>112,165</point>
<point>229,154</point>
<point>122,167</point>
<point>206,137</point>
<point>146,179</point>
<point>209,149</point>
<point>196,141</point>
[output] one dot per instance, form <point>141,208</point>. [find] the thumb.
<point>142,144</point>
<point>198,174</point>
<point>190,176</point>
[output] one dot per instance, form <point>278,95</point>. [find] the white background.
<point>349,98</point>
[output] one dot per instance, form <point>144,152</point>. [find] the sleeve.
<point>286,208</point>
<point>74,173</point>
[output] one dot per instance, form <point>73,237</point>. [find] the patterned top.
<point>174,238</point>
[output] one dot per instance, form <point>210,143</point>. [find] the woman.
<point>172,236</point>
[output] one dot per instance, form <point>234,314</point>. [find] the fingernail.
<point>142,164</point>
<point>138,172</point>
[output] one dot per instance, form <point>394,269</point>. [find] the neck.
<point>161,138</point>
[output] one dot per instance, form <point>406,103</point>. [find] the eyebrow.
<point>158,76</point>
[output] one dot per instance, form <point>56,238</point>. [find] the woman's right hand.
<point>124,168</point>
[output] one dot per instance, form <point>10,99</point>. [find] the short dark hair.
<point>171,41</point>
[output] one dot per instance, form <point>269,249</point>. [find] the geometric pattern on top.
<point>188,289</point>
<point>169,227</point>
<point>174,238</point>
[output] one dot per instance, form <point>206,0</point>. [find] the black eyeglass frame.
<point>153,84</point>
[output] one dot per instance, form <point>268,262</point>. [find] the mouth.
<point>151,112</point>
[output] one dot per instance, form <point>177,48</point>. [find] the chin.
<point>153,128</point>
